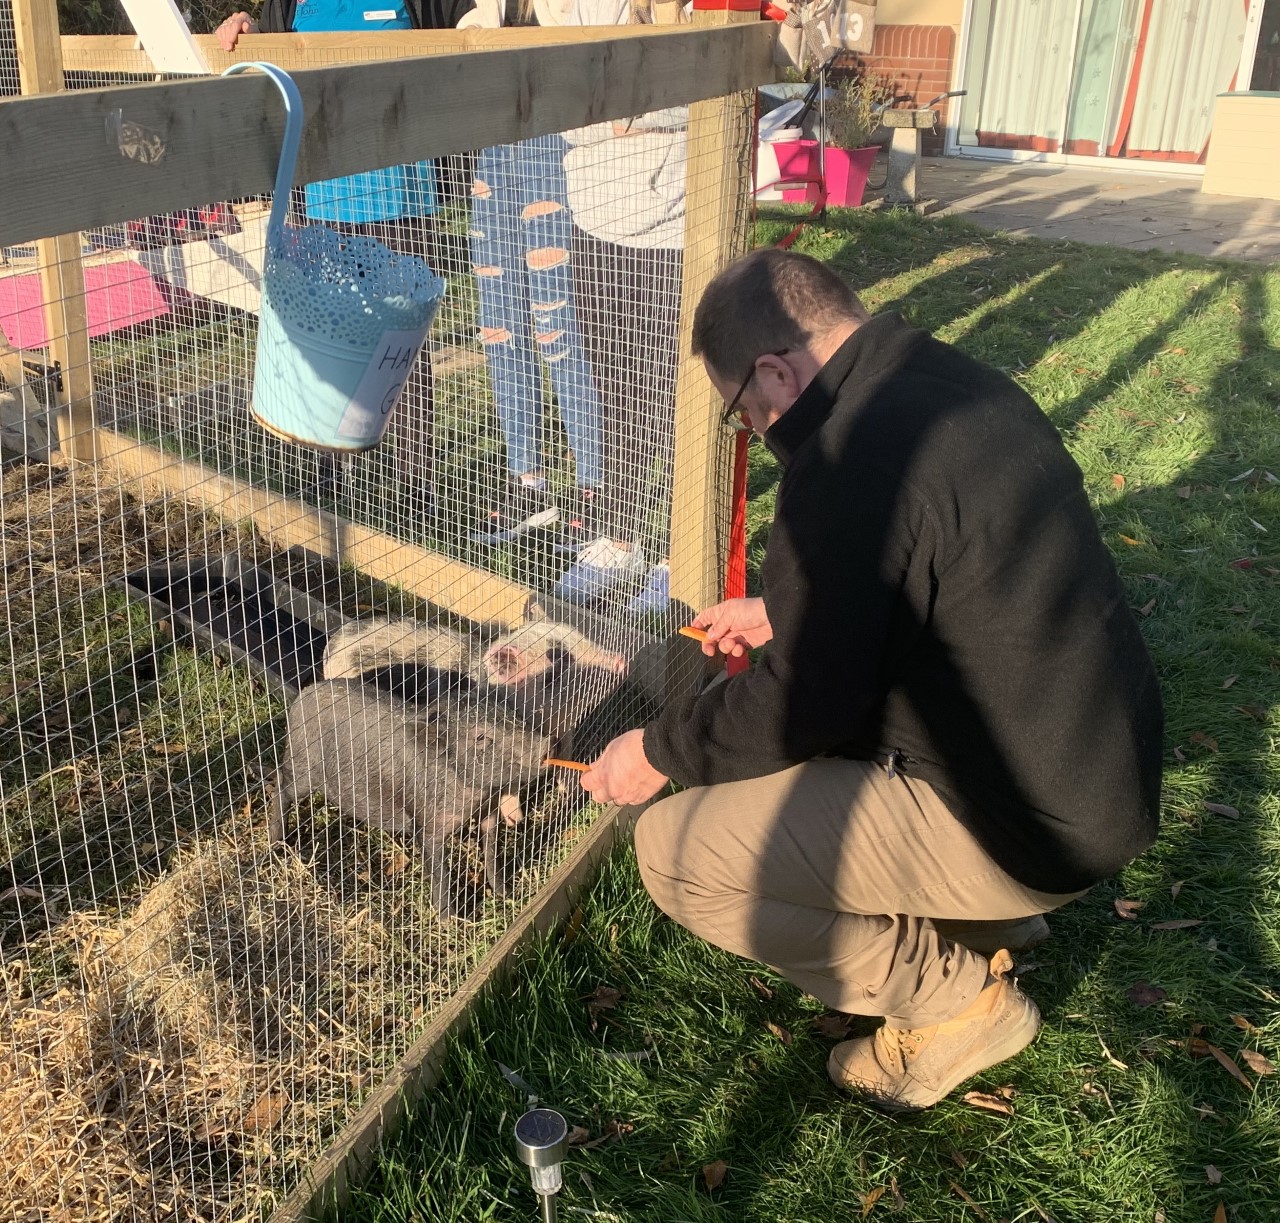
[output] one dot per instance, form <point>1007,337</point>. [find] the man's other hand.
<point>734,627</point>
<point>230,30</point>
<point>622,774</point>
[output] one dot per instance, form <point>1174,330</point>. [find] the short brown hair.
<point>765,301</point>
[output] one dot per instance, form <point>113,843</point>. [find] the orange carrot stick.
<point>695,634</point>
<point>552,762</point>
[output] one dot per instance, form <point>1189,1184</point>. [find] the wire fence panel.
<point>10,84</point>
<point>274,717</point>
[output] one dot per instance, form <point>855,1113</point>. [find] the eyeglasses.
<point>732,406</point>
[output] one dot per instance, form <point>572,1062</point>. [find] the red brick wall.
<point>916,60</point>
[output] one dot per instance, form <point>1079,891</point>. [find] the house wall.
<point>920,12</point>
<point>916,42</point>
<point>1246,133</point>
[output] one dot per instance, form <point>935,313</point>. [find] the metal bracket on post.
<point>50,374</point>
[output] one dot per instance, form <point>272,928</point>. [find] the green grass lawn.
<point>1163,375</point>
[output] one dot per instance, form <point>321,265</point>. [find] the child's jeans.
<point>520,238</point>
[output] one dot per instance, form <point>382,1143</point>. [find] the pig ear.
<point>558,656</point>
<point>618,665</point>
<point>504,661</point>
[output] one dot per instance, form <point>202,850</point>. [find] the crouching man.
<point>953,725</point>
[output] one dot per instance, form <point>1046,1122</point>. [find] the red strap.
<point>721,6</point>
<point>735,578</point>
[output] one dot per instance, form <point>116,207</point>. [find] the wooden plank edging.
<point>474,594</point>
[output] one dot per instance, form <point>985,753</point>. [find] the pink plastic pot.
<point>846,172</point>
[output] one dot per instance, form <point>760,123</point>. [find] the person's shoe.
<point>988,937</point>
<point>580,521</point>
<point>523,508</point>
<point>656,596</point>
<point>601,566</point>
<point>905,1069</point>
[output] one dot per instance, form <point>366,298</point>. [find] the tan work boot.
<point>989,937</point>
<point>904,1069</point>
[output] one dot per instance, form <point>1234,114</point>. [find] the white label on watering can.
<point>384,377</point>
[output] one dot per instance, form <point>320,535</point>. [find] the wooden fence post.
<point>70,394</point>
<point>718,218</point>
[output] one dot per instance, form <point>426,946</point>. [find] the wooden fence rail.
<point>99,156</point>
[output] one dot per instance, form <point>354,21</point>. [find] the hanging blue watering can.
<point>341,318</point>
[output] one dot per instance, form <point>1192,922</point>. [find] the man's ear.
<point>775,377</point>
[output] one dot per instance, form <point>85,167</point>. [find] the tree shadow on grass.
<point>1113,1118</point>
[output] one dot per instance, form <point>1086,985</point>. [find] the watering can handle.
<point>288,150</point>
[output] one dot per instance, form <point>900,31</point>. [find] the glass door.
<point>1129,79</point>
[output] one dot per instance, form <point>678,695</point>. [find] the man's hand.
<point>734,627</point>
<point>230,30</point>
<point>622,774</point>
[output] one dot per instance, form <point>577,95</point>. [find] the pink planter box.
<point>846,172</point>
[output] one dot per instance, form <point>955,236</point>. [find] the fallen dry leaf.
<point>573,926</point>
<point>959,1191</point>
<point>1227,1062</point>
<point>1184,492</point>
<point>1178,923</point>
<point>1140,993</point>
<point>612,1132</point>
<point>1242,1023</point>
<point>1197,1047</point>
<point>1212,1175</point>
<point>1220,1215</point>
<point>1257,712</point>
<point>870,1199</point>
<point>781,1033</point>
<point>397,863</point>
<point>899,1202</point>
<point>1128,909</point>
<point>992,1103</point>
<point>1259,1063</point>
<point>713,1174</point>
<point>760,987</point>
<point>1198,736</point>
<point>960,1159</point>
<point>605,998</point>
<point>1179,755</point>
<point>1226,683</point>
<point>1118,481</point>
<point>1222,808</point>
<point>834,1027</point>
<point>20,892</point>
<point>1133,543</point>
<point>1175,888</point>
<point>578,1135</point>
<point>1147,608</point>
<point>267,1111</point>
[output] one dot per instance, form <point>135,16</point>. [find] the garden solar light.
<point>542,1141</point>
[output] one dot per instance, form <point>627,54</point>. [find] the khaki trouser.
<point>830,872</point>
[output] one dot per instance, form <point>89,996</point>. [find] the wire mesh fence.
<point>10,83</point>
<point>274,717</point>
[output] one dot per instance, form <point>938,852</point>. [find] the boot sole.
<point>1012,1043</point>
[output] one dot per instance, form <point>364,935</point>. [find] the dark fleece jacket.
<point>942,601</point>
